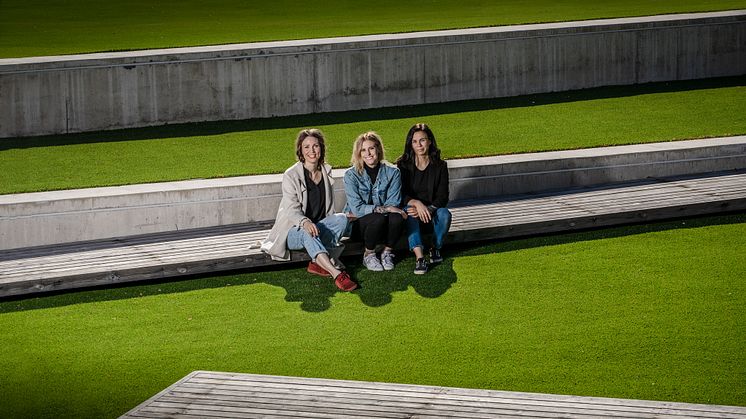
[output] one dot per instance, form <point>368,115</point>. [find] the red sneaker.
<point>314,268</point>
<point>344,282</point>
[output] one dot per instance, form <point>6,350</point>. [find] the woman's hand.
<point>396,210</point>
<point>310,227</point>
<point>419,210</point>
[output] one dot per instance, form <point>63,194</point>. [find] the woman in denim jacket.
<point>373,189</point>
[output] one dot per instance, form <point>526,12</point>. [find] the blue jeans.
<point>441,223</point>
<point>330,228</point>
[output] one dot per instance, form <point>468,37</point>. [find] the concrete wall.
<point>50,95</point>
<point>40,218</point>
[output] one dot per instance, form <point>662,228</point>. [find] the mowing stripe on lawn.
<point>557,121</point>
<point>647,312</point>
<point>32,28</point>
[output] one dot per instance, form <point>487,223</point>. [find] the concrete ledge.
<point>164,255</point>
<point>44,218</point>
<point>52,95</point>
<point>488,177</point>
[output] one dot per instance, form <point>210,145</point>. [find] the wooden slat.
<point>274,383</point>
<point>214,394</point>
<point>163,255</point>
<point>126,256</point>
<point>385,401</point>
<point>161,237</point>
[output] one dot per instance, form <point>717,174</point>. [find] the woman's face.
<point>311,149</point>
<point>420,143</point>
<point>369,153</point>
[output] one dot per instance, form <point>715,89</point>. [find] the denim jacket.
<point>359,191</point>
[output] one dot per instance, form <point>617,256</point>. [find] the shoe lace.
<point>371,259</point>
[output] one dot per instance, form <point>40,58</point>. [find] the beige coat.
<point>292,208</point>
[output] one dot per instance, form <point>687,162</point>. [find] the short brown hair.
<point>302,135</point>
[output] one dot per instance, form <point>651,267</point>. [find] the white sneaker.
<point>372,263</point>
<point>387,260</point>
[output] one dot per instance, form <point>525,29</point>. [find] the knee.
<point>338,223</point>
<point>396,219</point>
<point>443,214</point>
<point>376,220</point>
<point>340,220</point>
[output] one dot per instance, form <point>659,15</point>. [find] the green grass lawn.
<point>568,120</point>
<point>29,28</point>
<point>651,312</point>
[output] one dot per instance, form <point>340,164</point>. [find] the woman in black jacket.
<point>425,193</point>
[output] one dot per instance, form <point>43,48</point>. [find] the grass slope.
<point>652,312</point>
<point>30,28</point>
<point>568,120</point>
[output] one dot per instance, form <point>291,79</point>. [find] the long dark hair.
<point>407,159</point>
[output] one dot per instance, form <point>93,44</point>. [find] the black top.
<point>372,172</point>
<point>429,186</point>
<point>316,194</point>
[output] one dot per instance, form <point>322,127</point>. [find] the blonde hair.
<point>357,159</point>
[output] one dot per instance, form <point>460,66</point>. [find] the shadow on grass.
<point>314,293</point>
<point>223,127</point>
<point>377,288</point>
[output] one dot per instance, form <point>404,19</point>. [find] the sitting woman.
<point>373,189</point>
<point>425,190</point>
<point>306,218</point>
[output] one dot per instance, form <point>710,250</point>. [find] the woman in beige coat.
<point>306,218</point>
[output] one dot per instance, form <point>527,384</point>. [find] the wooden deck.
<point>31,270</point>
<point>227,395</point>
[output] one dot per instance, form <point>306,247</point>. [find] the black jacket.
<point>437,191</point>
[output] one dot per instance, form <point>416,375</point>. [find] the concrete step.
<point>163,255</point>
<point>45,218</point>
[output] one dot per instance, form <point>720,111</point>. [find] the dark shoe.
<point>344,282</point>
<point>420,266</point>
<point>435,256</point>
<point>314,268</point>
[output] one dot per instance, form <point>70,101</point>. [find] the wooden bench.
<point>163,255</point>
<point>224,395</point>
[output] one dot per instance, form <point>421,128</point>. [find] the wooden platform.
<point>226,395</point>
<point>31,270</point>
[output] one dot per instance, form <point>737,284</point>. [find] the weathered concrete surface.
<point>50,95</point>
<point>487,177</point>
<point>41,218</point>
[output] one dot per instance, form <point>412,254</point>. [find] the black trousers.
<point>377,228</point>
